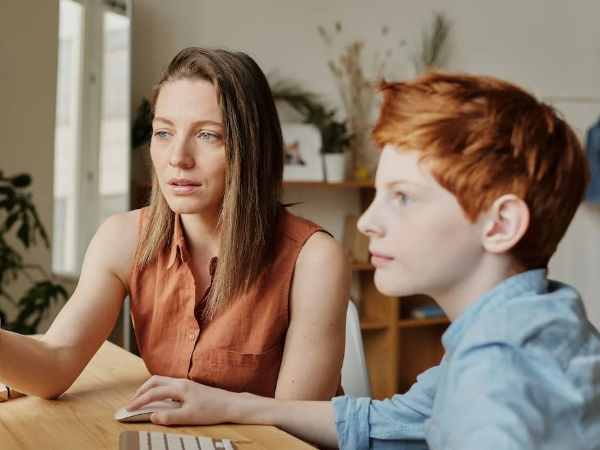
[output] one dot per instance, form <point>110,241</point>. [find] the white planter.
<point>335,167</point>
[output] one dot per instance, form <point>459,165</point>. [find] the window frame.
<point>87,153</point>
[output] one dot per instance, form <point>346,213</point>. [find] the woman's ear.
<point>507,222</point>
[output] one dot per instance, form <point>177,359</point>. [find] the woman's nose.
<point>181,154</point>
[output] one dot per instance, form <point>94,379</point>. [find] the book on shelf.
<point>356,243</point>
<point>426,312</point>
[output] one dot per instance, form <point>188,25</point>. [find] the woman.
<point>227,288</point>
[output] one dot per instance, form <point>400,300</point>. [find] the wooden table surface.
<point>83,417</point>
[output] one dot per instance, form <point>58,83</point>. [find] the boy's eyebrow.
<point>396,183</point>
<point>198,122</point>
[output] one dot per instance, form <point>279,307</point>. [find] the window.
<point>91,165</point>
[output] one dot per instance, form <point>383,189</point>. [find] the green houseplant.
<point>19,219</point>
<point>141,128</point>
<point>335,138</point>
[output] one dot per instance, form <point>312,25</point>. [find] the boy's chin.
<point>392,288</point>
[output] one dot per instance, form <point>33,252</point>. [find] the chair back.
<point>355,376</point>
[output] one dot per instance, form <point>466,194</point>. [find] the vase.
<point>335,167</point>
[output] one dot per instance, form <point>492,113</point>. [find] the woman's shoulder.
<point>298,228</point>
<point>315,242</point>
<point>321,249</point>
<point>122,224</point>
<point>117,238</point>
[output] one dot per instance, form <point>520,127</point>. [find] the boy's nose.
<point>367,223</point>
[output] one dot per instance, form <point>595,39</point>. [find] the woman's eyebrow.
<point>196,123</point>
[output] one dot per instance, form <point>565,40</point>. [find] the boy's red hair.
<point>484,138</point>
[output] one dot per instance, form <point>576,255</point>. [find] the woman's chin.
<point>191,206</point>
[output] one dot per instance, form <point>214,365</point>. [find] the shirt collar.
<point>178,248</point>
<point>520,285</point>
<point>177,243</point>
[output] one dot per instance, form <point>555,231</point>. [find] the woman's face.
<point>187,148</point>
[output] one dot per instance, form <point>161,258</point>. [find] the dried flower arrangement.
<point>356,87</point>
<point>435,48</point>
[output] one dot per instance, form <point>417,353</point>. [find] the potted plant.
<point>335,138</point>
<point>19,219</point>
<point>336,143</point>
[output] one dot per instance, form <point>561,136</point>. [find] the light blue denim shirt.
<point>521,371</point>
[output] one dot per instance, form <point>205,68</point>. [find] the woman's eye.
<point>208,137</point>
<point>161,135</point>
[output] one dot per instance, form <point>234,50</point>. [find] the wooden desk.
<point>83,417</point>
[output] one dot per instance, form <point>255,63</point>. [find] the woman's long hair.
<point>254,154</point>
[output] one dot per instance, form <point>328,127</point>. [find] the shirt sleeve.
<point>501,396</point>
<point>363,423</point>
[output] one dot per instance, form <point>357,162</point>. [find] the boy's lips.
<point>379,259</point>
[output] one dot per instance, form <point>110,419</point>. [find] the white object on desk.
<point>143,414</point>
<point>7,393</point>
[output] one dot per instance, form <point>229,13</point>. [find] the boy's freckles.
<point>408,224</point>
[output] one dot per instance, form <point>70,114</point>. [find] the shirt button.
<point>192,336</point>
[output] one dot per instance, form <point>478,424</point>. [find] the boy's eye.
<point>402,198</point>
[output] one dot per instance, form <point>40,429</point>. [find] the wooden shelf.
<point>409,323</point>
<point>362,266</point>
<point>320,184</point>
<point>373,325</point>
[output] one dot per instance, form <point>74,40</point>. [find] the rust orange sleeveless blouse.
<point>241,348</point>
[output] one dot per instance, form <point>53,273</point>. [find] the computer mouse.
<point>143,414</point>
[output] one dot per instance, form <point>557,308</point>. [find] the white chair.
<point>355,376</point>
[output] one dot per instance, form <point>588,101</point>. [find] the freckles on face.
<point>418,226</point>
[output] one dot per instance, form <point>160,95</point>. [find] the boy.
<point>476,186</point>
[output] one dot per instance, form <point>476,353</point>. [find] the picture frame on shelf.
<point>302,146</point>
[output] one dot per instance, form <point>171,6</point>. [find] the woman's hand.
<point>200,405</point>
<point>203,405</point>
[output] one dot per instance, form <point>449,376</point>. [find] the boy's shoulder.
<point>551,325</point>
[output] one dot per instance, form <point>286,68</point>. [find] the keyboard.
<point>143,440</point>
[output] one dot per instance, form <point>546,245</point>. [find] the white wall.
<point>550,47</point>
<point>28,55</point>
<point>28,51</point>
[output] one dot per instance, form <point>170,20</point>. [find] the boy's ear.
<point>507,222</point>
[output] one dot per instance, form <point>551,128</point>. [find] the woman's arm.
<point>314,345</point>
<point>47,367</point>
<point>348,422</point>
<point>202,405</point>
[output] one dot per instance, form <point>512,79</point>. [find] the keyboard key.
<point>206,443</point>
<point>142,440</point>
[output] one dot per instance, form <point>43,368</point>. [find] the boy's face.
<point>420,240</point>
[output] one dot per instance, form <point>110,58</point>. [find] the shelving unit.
<point>397,346</point>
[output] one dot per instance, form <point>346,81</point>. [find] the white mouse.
<point>143,414</point>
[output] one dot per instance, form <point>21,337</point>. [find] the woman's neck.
<point>201,236</point>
